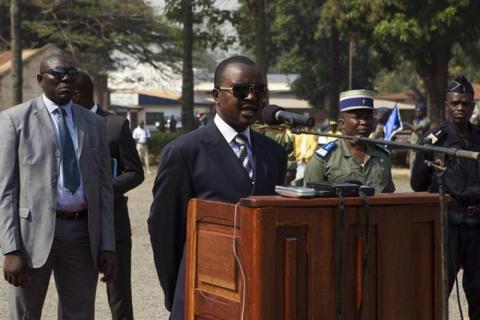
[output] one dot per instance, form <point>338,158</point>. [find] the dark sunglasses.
<point>59,73</point>
<point>242,90</point>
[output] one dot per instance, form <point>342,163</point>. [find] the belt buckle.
<point>471,210</point>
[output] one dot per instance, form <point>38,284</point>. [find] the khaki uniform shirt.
<point>339,165</point>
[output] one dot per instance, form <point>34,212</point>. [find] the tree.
<point>424,33</point>
<point>187,74</point>
<point>93,31</point>
<point>17,65</point>
<point>202,22</point>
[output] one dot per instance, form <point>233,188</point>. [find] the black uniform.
<point>462,182</point>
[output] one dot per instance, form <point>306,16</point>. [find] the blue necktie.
<point>71,174</point>
<point>242,154</point>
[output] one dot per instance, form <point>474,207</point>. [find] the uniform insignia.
<point>325,149</point>
<point>435,135</point>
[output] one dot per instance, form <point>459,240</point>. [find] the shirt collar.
<point>94,109</point>
<point>370,151</point>
<point>228,132</point>
<point>52,106</point>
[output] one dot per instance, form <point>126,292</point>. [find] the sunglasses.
<point>59,73</point>
<point>242,90</point>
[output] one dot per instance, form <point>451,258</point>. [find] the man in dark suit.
<point>224,161</point>
<point>127,173</point>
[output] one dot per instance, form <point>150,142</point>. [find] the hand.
<point>107,264</point>
<point>14,269</point>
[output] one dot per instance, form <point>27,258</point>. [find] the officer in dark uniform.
<point>462,182</point>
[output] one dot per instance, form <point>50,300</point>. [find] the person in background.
<point>461,178</point>
<point>381,116</point>
<point>172,124</point>
<point>346,160</point>
<point>421,123</point>
<point>127,173</point>
<point>142,136</point>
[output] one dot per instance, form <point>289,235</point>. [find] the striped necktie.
<point>242,154</point>
<point>71,173</point>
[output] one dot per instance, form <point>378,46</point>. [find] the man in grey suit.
<point>56,208</point>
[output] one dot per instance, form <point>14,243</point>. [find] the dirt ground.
<point>147,295</point>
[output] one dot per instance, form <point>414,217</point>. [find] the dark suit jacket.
<point>202,165</point>
<point>130,171</point>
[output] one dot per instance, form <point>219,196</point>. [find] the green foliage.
<point>93,30</point>
<point>159,141</point>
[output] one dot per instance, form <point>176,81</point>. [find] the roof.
<point>399,96</point>
<point>27,55</point>
<point>378,103</point>
<point>160,93</point>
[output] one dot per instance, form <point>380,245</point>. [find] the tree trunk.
<point>435,77</point>
<point>187,74</point>
<point>17,65</point>
<point>260,35</point>
<point>335,75</point>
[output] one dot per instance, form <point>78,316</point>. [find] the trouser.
<point>75,276</point>
<point>178,307</point>
<point>142,150</point>
<point>464,250</point>
<point>119,291</point>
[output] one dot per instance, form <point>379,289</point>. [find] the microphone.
<point>274,114</point>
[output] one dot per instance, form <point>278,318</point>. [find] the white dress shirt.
<point>66,201</point>
<point>229,134</point>
<point>140,135</point>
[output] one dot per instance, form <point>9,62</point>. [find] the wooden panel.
<point>214,307</point>
<point>217,271</point>
<point>291,269</point>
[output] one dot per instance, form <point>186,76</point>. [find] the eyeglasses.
<point>59,73</point>
<point>242,90</point>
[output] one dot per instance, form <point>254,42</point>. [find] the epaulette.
<point>325,149</point>
<point>435,135</point>
<point>382,148</point>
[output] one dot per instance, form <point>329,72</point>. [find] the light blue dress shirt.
<point>66,201</point>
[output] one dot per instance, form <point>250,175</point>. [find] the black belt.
<point>72,215</point>
<point>467,210</point>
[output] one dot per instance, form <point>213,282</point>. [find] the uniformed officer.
<point>345,160</point>
<point>462,182</point>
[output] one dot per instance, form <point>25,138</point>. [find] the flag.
<point>393,124</point>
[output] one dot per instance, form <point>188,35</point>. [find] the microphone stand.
<point>438,165</point>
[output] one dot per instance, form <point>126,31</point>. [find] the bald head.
<point>84,93</point>
<point>55,59</point>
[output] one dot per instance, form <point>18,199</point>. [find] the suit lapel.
<point>223,157</point>
<point>44,119</point>
<point>79,122</point>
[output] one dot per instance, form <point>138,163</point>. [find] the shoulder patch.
<point>325,149</point>
<point>435,135</point>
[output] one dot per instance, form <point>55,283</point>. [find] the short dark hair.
<point>84,83</point>
<point>225,63</point>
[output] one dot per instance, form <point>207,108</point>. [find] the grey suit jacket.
<point>29,166</point>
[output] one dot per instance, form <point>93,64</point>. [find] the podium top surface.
<point>379,199</point>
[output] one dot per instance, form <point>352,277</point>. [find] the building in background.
<point>31,63</point>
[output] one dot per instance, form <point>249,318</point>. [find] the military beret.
<point>460,85</point>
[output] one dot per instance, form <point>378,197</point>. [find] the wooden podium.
<point>286,249</point>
